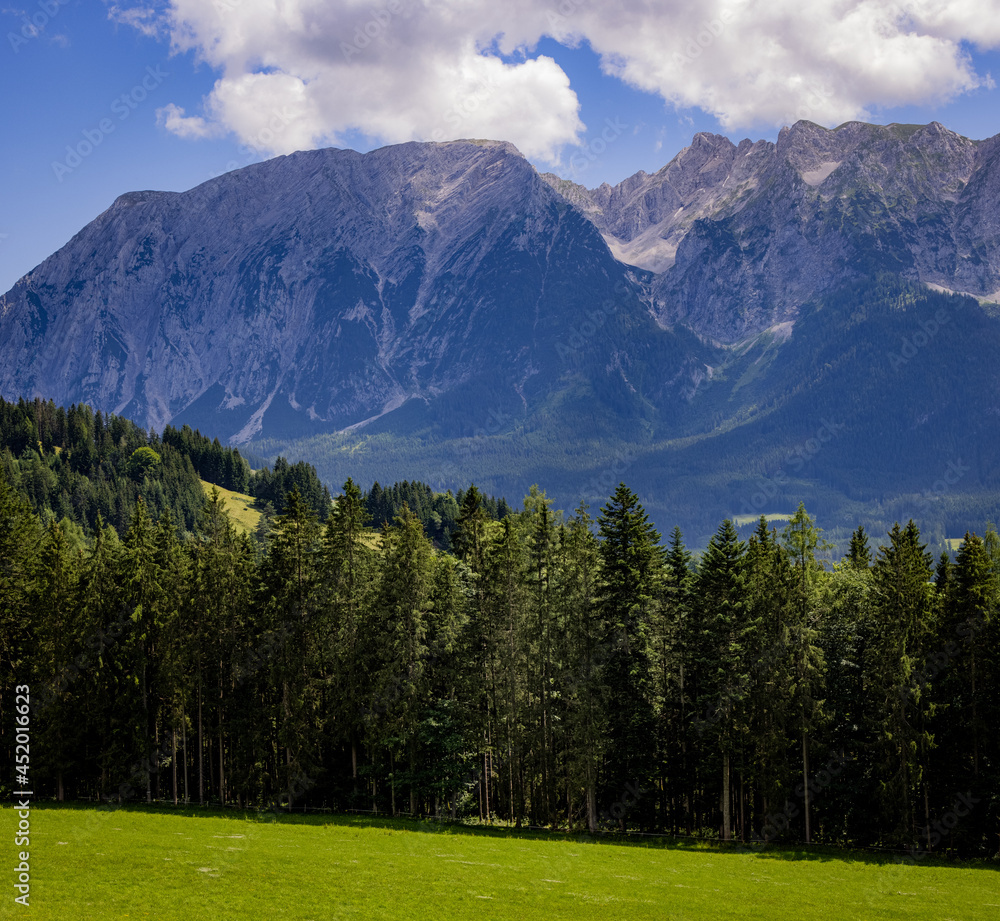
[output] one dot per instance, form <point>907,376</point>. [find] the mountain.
<point>740,236</point>
<point>320,291</point>
<point>442,312</point>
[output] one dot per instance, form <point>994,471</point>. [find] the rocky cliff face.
<point>316,291</point>
<point>739,236</point>
<point>435,291</point>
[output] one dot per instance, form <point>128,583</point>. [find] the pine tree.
<point>859,554</point>
<point>584,682</point>
<point>290,596</point>
<point>19,541</point>
<point>902,595</point>
<point>144,594</point>
<point>631,584</point>
<point>770,723</point>
<point>403,680</point>
<point>801,540</point>
<point>724,668</point>
<point>54,603</point>
<point>672,666</point>
<point>348,564</point>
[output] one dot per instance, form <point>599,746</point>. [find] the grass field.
<point>133,863</point>
<point>773,517</point>
<point>239,507</point>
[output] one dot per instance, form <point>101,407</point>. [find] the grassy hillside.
<point>239,505</point>
<point>104,863</point>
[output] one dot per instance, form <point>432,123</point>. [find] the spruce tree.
<point>348,573</point>
<point>722,616</point>
<point>801,539</point>
<point>902,596</point>
<point>631,567</point>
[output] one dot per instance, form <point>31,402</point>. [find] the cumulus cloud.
<point>172,118</point>
<point>301,73</point>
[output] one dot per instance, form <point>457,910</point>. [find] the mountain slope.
<point>317,292</point>
<point>742,235</point>
<point>441,312</point>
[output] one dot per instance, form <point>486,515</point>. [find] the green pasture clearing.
<point>136,863</point>
<point>741,520</point>
<point>238,506</point>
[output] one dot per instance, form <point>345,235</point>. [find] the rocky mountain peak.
<point>783,221</point>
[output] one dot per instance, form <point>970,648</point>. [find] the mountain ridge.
<point>438,310</point>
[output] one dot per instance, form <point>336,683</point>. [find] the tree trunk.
<point>173,759</point>
<point>486,779</point>
<point>392,764</point>
<point>805,781</point>
<point>726,816</point>
<point>591,800</point>
<point>201,753</point>
<point>743,826</point>
<point>222,774</point>
<point>413,771</point>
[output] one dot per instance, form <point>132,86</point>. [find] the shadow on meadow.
<point>788,853</point>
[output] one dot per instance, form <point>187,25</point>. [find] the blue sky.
<point>100,99</point>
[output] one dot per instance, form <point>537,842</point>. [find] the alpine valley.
<point>752,326</point>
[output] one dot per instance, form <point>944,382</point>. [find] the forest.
<point>536,668</point>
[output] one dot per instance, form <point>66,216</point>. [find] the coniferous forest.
<point>470,660</point>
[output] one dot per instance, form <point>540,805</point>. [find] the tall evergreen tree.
<point>403,679</point>
<point>801,540</point>
<point>902,595</point>
<point>584,684</point>
<point>631,566</point>
<point>724,628</point>
<point>290,596</point>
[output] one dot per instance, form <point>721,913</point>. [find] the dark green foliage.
<point>544,673</point>
<point>213,463</point>
<point>437,512</point>
<point>272,487</point>
<point>632,567</point>
<point>80,465</point>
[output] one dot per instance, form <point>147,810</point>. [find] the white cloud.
<point>172,118</point>
<point>301,73</point>
<point>145,19</point>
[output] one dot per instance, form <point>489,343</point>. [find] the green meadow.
<point>135,863</point>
